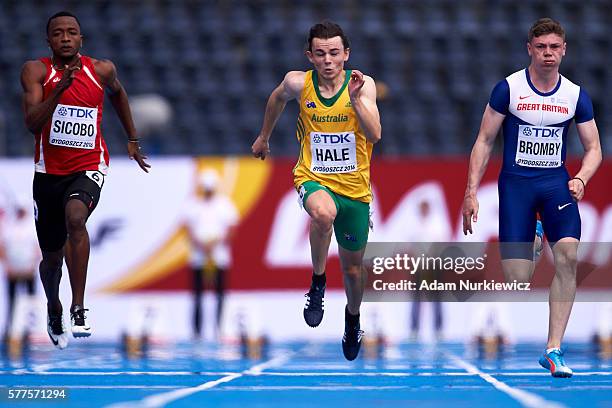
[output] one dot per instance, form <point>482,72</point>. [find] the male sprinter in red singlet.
<point>62,102</point>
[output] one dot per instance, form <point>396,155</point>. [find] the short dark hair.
<point>62,14</point>
<point>325,30</point>
<point>545,26</point>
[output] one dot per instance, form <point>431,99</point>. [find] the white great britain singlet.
<point>536,124</point>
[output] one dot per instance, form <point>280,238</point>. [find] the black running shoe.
<point>351,341</point>
<point>313,310</point>
<point>80,328</point>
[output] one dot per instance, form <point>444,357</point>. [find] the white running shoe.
<point>80,328</point>
<point>56,331</point>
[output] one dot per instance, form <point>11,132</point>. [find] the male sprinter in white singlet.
<point>536,106</point>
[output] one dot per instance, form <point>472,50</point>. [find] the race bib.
<point>333,153</point>
<point>539,146</point>
<point>96,177</point>
<point>74,126</point>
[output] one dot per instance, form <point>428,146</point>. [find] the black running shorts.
<point>52,193</point>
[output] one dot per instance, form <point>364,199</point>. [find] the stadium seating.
<point>216,63</point>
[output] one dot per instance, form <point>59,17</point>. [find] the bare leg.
<point>77,249</point>
<point>11,286</point>
<point>220,287</point>
<point>520,270</point>
<point>50,270</point>
<point>355,276</point>
<point>197,300</point>
<point>562,289</point>
<point>322,211</point>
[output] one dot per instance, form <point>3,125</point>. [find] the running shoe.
<point>351,341</point>
<point>555,363</point>
<point>80,328</point>
<point>313,310</point>
<point>56,331</point>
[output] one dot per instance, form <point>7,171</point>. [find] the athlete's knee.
<point>75,222</point>
<point>51,262</point>
<point>352,271</point>
<point>519,270</point>
<point>518,276</point>
<point>566,257</point>
<point>322,218</point>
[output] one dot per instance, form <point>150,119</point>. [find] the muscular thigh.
<point>49,191</point>
<point>517,216</point>
<point>85,188</point>
<point>558,210</point>
<point>52,193</point>
<point>316,198</point>
<point>351,225</point>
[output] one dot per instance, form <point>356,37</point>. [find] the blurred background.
<point>216,62</point>
<point>198,74</point>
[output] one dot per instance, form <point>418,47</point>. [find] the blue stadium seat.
<point>218,61</point>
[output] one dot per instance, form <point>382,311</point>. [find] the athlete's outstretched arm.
<point>362,91</point>
<point>589,136</point>
<point>290,88</point>
<point>36,111</point>
<point>481,152</point>
<point>108,74</point>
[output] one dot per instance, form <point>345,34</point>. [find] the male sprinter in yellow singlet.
<point>337,127</point>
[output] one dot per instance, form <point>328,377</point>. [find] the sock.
<point>318,280</point>
<point>548,350</point>
<point>352,320</point>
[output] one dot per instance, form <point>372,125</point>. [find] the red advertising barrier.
<point>271,246</point>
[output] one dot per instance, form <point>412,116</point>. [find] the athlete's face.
<point>64,37</point>
<point>546,51</point>
<point>328,56</point>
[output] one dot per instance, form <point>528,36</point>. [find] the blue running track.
<point>307,375</point>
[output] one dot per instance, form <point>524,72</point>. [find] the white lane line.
<point>379,388</point>
<point>540,373</point>
<point>110,387</point>
<point>275,362</point>
<point>589,387</point>
<point>364,374</point>
<point>525,398</point>
<point>115,373</point>
<point>232,388</point>
<point>547,374</point>
<point>162,399</point>
<point>317,388</point>
<point>426,374</point>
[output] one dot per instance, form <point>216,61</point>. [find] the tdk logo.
<point>75,112</point>
<point>541,132</point>
<point>333,139</point>
<point>310,104</point>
